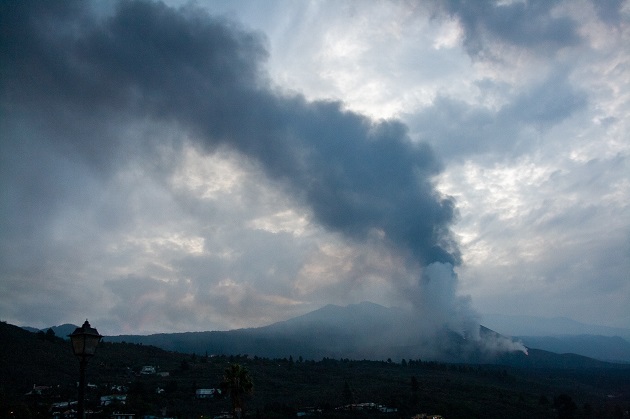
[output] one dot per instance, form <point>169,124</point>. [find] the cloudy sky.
<point>222,164</point>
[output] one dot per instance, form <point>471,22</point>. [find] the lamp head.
<point>84,340</point>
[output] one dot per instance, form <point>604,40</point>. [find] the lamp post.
<point>84,340</point>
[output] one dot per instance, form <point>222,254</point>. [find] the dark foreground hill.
<point>285,386</point>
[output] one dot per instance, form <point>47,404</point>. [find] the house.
<point>63,410</point>
<point>113,398</point>
<point>66,414</point>
<point>147,370</point>
<point>38,390</point>
<point>368,407</point>
<point>207,393</point>
<point>309,411</point>
<point>62,405</point>
<point>385,409</point>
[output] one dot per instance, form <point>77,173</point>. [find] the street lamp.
<point>84,340</point>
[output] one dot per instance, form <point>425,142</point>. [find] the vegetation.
<point>286,386</point>
<point>237,383</point>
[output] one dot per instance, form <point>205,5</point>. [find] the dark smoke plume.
<point>77,76</point>
<point>71,69</point>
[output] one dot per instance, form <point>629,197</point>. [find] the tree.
<point>414,384</point>
<point>565,406</point>
<point>50,335</point>
<point>347,394</point>
<point>237,383</point>
<point>414,390</point>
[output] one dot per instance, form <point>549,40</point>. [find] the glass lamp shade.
<point>84,340</point>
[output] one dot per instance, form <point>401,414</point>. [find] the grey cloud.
<point>151,61</point>
<point>457,129</point>
<point>143,302</point>
<point>547,103</point>
<point>210,290</point>
<point>97,108</point>
<point>608,10</point>
<point>580,243</point>
<point>527,24</point>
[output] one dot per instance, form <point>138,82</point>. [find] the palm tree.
<point>238,383</point>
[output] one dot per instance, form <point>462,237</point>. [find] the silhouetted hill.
<point>359,318</point>
<point>31,329</point>
<point>21,352</point>
<point>64,330</point>
<point>358,331</point>
<point>28,358</point>
<point>61,331</point>
<point>604,348</point>
<point>542,326</point>
<point>540,359</point>
<point>368,330</point>
<point>281,386</point>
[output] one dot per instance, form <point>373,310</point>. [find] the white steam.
<point>439,303</point>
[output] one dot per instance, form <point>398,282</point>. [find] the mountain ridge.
<point>358,331</point>
<point>455,390</point>
<point>349,332</point>
<point>519,325</point>
<point>604,348</point>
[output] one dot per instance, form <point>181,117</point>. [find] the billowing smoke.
<point>70,67</point>
<point>437,299</point>
<point>148,60</point>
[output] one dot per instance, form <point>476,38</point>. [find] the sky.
<point>177,166</point>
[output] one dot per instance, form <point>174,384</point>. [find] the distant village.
<point>117,396</point>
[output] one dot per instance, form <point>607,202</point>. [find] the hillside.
<point>543,326</point>
<point>284,386</point>
<point>606,348</point>
<point>358,331</point>
<point>371,331</point>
